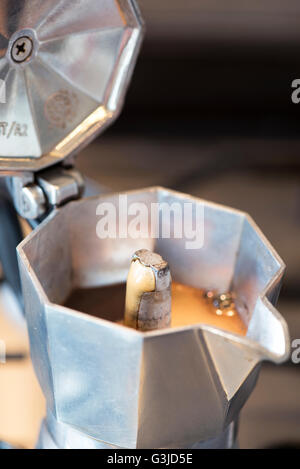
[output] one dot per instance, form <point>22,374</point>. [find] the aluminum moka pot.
<point>106,385</point>
<point>118,387</point>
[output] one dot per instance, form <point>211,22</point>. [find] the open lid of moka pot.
<point>64,69</point>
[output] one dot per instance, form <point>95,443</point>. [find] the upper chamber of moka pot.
<point>167,388</point>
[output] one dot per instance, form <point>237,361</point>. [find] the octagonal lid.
<point>64,69</point>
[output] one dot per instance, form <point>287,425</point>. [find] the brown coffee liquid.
<point>189,306</point>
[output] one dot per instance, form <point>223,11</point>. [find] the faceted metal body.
<point>66,65</point>
<point>168,388</point>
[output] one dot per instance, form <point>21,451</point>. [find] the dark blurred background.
<point>209,112</point>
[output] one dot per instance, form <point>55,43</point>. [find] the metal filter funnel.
<point>110,386</point>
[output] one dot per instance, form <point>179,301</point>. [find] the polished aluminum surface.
<point>66,66</point>
<point>35,197</point>
<point>61,185</point>
<point>167,388</point>
<point>57,435</point>
<point>28,198</point>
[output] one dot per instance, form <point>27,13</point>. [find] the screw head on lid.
<point>21,49</point>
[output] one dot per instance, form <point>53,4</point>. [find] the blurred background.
<point>209,112</point>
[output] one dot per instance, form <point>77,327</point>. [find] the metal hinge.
<point>35,194</point>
